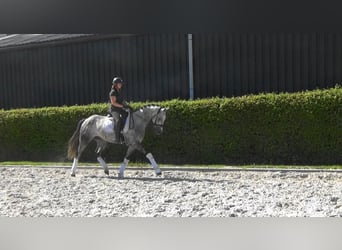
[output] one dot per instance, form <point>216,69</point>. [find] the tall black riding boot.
<point>118,134</point>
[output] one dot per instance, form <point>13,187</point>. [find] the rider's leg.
<point>117,127</point>
<point>123,116</point>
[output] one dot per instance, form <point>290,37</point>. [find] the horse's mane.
<point>151,106</point>
<point>148,106</point>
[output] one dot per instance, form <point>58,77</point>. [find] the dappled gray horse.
<point>101,129</point>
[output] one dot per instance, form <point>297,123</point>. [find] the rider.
<point>119,108</point>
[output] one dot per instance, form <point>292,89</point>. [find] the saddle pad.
<point>108,125</point>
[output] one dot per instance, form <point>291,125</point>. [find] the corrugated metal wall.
<point>154,67</point>
<point>237,64</point>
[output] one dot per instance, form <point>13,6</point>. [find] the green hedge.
<point>297,128</point>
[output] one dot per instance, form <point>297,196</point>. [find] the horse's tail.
<point>74,141</point>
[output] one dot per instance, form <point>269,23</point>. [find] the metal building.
<point>39,70</point>
<point>55,70</point>
<point>238,64</point>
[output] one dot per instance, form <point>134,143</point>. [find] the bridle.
<point>154,122</point>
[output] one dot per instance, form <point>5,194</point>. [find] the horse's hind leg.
<point>123,166</point>
<point>101,145</point>
<point>83,143</point>
<point>74,167</point>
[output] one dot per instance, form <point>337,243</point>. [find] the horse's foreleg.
<point>154,164</point>
<point>150,157</point>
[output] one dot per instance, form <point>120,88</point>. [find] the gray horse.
<point>101,129</point>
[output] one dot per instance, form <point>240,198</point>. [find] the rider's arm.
<point>114,102</point>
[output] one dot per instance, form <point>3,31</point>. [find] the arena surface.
<point>50,191</point>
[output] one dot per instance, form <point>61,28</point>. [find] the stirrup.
<point>120,139</point>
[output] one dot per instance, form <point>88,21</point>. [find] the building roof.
<point>16,40</point>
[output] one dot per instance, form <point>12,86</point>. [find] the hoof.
<point>120,176</point>
<point>159,174</point>
<point>106,172</point>
<point>73,175</point>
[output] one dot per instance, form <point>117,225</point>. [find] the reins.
<point>153,118</point>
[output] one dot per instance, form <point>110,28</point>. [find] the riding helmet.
<point>117,79</point>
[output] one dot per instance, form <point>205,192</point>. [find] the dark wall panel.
<point>246,63</point>
<point>155,67</point>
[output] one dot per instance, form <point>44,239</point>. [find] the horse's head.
<point>158,118</point>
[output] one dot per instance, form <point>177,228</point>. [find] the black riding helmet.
<point>117,79</point>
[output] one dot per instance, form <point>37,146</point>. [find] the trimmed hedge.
<point>297,128</point>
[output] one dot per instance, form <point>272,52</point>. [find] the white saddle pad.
<point>108,125</point>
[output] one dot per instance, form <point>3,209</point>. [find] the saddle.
<point>128,123</point>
